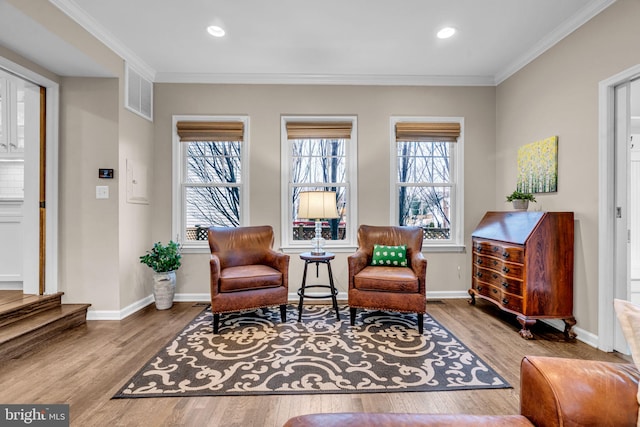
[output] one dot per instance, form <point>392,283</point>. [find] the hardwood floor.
<point>87,365</point>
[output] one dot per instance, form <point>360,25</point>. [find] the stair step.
<point>15,305</point>
<point>28,333</point>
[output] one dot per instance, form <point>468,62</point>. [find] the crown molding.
<point>568,27</point>
<point>71,9</point>
<point>324,79</point>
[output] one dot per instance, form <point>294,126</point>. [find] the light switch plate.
<point>102,191</point>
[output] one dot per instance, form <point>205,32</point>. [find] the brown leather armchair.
<point>400,289</point>
<point>246,273</point>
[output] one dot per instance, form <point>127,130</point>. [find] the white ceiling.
<point>298,41</point>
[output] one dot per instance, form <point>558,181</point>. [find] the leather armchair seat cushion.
<point>245,277</point>
<point>386,279</point>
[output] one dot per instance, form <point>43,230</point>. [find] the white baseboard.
<point>192,297</point>
<point>446,295</point>
<point>582,335</point>
<point>119,314</point>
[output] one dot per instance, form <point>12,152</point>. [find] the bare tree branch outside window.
<point>318,165</point>
<point>424,186</point>
<point>212,184</point>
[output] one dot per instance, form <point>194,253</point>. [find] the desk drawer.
<point>505,283</point>
<point>504,268</point>
<point>499,250</point>
<point>502,299</point>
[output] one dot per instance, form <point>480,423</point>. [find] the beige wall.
<point>88,141</point>
<point>374,105</point>
<point>557,94</point>
<point>136,147</point>
<point>100,240</point>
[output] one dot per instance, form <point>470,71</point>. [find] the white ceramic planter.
<point>164,288</point>
<point>521,205</point>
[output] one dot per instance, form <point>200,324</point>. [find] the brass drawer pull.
<point>505,301</point>
<point>494,275</point>
<point>479,248</point>
<point>479,288</point>
<point>479,274</point>
<point>505,254</point>
<point>495,291</point>
<point>505,269</point>
<point>479,261</point>
<point>505,285</point>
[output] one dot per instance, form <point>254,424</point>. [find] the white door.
<point>634,203</point>
<point>19,183</point>
<point>627,188</point>
<point>31,206</point>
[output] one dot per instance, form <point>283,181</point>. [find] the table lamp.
<point>317,205</point>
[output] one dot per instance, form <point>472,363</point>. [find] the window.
<point>427,188</point>
<point>319,154</point>
<point>210,170</point>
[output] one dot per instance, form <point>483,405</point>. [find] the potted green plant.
<point>164,260</point>
<point>521,200</point>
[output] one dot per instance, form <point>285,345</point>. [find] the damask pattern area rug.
<point>255,353</point>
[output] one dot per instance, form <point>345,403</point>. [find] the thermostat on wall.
<point>105,173</point>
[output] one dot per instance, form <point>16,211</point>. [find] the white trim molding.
<point>324,79</point>
<point>293,299</point>
<point>86,21</point>
<point>119,314</point>
<point>178,153</point>
<point>569,26</point>
<point>606,205</point>
<point>456,241</point>
<point>351,185</point>
<point>52,141</point>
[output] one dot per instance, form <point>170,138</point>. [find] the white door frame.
<point>606,204</point>
<point>52,106</point>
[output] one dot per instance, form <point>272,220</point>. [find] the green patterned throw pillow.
<point>391,256</point>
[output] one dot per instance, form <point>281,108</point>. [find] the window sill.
<point>452,248</point>
<point>202,249</point>
<point>335,250</point>
<point>191,248</point>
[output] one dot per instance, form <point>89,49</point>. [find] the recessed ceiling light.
<point>215,31</point>
<point>446,32</point>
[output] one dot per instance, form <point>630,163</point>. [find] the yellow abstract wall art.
<point>538,166</point>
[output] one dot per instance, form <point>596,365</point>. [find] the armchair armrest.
<point>419,266</point>
<point>214,266</point>
<point>280,262</point>
<point>356,262</point>
<point>566,392</point>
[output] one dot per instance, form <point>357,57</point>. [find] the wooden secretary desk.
<point>523,263</point>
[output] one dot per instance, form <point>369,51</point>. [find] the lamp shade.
<point>317,205</point>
